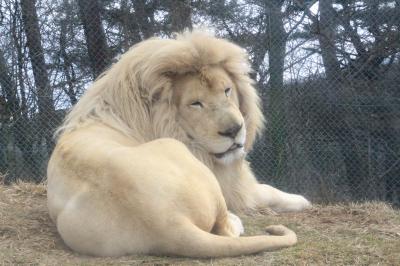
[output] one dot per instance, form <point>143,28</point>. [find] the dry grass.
<point>353,234</point>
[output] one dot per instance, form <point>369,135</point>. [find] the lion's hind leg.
<point>230,225</point>
<point>94,227</point>
<point>236,224</point>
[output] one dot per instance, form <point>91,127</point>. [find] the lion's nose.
<point>231,132</point>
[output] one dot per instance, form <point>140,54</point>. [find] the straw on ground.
<point>351,234</point>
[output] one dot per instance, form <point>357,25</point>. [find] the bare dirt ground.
<point>351,234</point>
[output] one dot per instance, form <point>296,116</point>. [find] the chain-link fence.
<point>327,71</point>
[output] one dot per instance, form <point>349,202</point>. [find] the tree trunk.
<point>180,14</point>
<point>326,37</point>
<point>67,65</point>
<point>8,86</point>
<point>18,42</point>
<point>8,108</point>
<point>21,127</point>
<point>277,131</point>
<point>99,54</point>
<point>142,14</point>
<point>47,118</point>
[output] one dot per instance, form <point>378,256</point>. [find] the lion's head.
<point>207,105</point>
<point>194,88</point>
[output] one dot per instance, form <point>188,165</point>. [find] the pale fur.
<point>121,179</point>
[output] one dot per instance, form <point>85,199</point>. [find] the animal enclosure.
<point>327,73</point>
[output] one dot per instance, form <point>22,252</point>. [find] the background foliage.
<point>327,72</point>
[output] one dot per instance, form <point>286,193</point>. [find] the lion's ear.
<point>161,93</point>
<point>250,107</point>
<point>156,96</point>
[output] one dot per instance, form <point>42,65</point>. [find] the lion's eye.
<point>196,104</point>
<point>228,92</point>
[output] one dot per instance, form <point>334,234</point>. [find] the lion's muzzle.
<point>232,131</point>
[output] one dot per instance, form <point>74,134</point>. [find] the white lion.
<point>151,158</point>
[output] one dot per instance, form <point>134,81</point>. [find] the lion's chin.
<point>229,156</point>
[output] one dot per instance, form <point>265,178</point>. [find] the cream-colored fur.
<point>152,156</point>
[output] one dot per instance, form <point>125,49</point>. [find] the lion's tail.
<point>194,242</point>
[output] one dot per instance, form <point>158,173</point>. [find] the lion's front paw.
<point>280,201</point>
<point>292,203</point>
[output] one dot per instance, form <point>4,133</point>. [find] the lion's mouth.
<point>233,148</point>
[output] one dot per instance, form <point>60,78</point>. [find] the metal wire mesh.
<point>327,72</point>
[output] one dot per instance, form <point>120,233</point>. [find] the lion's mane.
<point>135,95</point>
